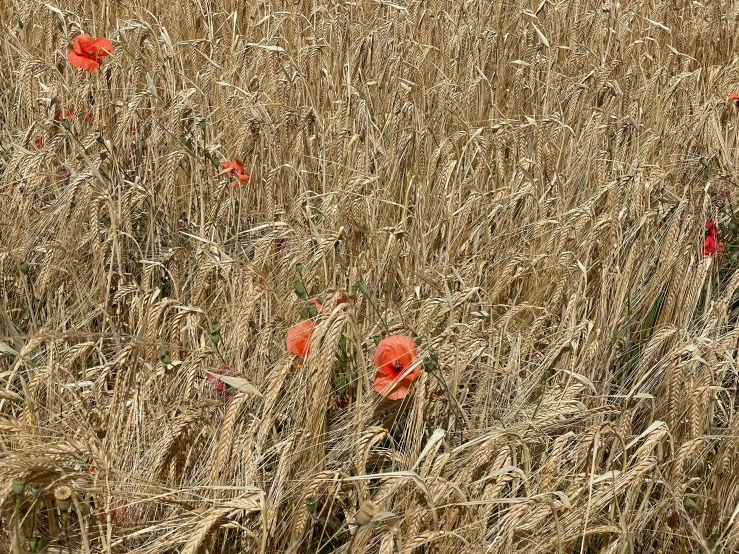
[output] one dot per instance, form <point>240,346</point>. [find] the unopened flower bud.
<point>35,544</point>
<point>19,486</point>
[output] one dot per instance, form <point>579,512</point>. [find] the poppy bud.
<point>19,486</point>
<point>310,505</point>
<point>690,505</point>
<point>299,268</point>
<point>300,289</point>
<point>202,124</point>
<point>362,287</point>
<point>215,338</point>
<point>65,124</point>
<point>35,492</point>
<point>63,497</point>
<point>206,153</point>
<point>24,267</point>
<point>35,544</point>
<point>165,359</point>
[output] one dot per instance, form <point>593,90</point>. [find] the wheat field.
<point>522,187</point>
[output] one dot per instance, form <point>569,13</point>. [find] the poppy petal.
<point>82,44</point>
<point>400,392</point>
<point>390,382</point>
<point>383,353</point>
<point>395,348</point>
<point>382,383</point>
<point>384,386</point>
<point>82,62</point>
<point>103,46</point>
<point>298,338</point>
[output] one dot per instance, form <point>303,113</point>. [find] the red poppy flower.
<point>712,244</point>
<point>39,142</point>
<point>342,298</point>
<point>735,97</point>
<point>236,171</point>
<point>64,174</point>
<point>298,338</point>
<point>70,115</point>
<point>397,366</point>
<point>722,196</point>
<point>278,244</point>
<point>215,382</point>
<point>89,52</point>
<point>66,114</point>
<point>343,401</point>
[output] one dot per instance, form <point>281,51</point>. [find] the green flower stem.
<point>362,287</point>
<point>455,402</point>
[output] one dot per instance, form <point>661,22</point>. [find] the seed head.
<point>63,497</point>
<point>367,510</point>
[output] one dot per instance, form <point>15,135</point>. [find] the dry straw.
<point>520,184</point>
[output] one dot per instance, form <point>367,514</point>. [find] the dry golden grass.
<point>521,183</point>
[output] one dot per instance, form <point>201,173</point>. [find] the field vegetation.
<point>537,195</point>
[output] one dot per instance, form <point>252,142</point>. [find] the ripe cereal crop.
<point>420,276</point>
